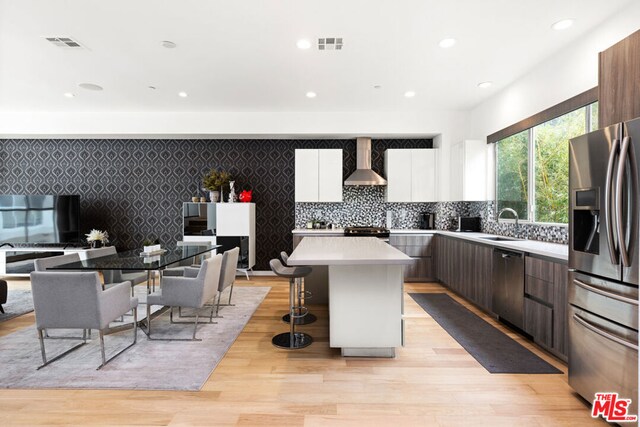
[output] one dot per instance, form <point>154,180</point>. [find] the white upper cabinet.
<point>318,175</point>
<point>411,175</point>
<point>468,170</point>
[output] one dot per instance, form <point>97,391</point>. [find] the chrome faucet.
<point>514,214</point>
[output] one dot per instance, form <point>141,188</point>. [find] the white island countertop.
<point>346,251</point>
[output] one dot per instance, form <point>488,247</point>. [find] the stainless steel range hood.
<point>363,175</point>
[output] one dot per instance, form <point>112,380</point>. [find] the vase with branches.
<point>213,181</point>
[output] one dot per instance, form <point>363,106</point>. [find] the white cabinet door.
<point>306,176</point>
<point>397,166</point>
<point>475,170</point>
<point>330,175</point>
<point>235,219</point>
<point>423,175</point>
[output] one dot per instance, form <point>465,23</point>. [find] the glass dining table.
<point>132,260</point>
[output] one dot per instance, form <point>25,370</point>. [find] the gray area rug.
<point>19,302</point>
<point>148,365</point>
<point>498,353</point>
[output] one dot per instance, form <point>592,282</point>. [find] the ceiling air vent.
<point>65,42</point>
<point>330,43</point>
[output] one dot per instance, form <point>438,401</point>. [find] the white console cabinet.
<point>411,175</point>
<point>318,175</point>
<point>18,262</point>
<point>226,224</point>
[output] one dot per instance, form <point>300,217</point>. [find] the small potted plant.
<point>213,180</point>
<point>150,245</point>
<point>97,238</point>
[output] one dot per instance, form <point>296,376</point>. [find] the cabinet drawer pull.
<point>604,333</point>
<point>604,293</point>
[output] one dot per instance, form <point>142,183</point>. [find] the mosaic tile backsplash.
<point>367,206</point>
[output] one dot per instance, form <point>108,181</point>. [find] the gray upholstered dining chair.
<point>76,300</point>
<point>116,276</point>
<point>227,277</point>
<point>42,264</point>
<point>189,292</point>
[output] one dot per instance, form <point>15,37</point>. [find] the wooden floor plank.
<point>432,381</point>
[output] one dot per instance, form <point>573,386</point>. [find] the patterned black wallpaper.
<point>134,188</point>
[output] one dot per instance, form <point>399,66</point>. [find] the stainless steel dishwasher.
<point>508,286</point>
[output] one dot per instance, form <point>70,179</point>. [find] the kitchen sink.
<point>500,239</point>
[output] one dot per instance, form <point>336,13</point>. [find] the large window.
<point>532,167</point>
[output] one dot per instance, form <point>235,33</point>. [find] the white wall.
<point>571,71</point>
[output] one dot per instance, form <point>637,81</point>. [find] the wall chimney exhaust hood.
<point>363,175</point>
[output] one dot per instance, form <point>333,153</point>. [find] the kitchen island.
<point>365,292</point>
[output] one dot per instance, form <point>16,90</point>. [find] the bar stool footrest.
<point>306,320</point>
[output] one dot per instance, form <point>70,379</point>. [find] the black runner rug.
<point>498,353</point>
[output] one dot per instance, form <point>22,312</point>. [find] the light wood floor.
<point>432,381</point>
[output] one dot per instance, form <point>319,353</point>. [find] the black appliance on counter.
<point>469,223</point>
<point>427,221</point>
<point>366,231</point>
<point>604,261</point>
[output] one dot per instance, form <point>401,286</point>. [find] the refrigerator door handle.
<point>611,244</point>
<point>604,293</point>
<point>622,169</point>
<point>603,333</point>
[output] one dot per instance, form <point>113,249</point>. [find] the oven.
<point>367,231</point>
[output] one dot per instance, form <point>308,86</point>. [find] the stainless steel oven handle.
<point>622,169</point>
<point>604,333</point>
<point>607,202</point>
<point>604,293</point>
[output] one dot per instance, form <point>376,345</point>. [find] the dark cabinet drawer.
<point>539,289</point>
<point>419,269</point>
<point>415,251</point>
<point>538,321</point>
<point>539,268</point>
<point>410,240</point>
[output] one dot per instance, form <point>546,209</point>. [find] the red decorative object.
<point>245,196</point>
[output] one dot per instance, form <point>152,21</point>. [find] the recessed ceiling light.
<point>447,43</point>
<point>311,94</point>
<point>484,85</point>
<point>303,44</point>
<point>90,86</point>
<point>69,95</point>
<point>562,25</point>
<point>409,94</point>
<point>182,94</point>
<point>168,44</point>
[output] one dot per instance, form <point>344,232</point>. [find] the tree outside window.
<point>532,167</point>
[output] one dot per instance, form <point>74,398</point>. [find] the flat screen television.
<point>39,219</point>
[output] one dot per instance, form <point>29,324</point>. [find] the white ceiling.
<point>241,55</point>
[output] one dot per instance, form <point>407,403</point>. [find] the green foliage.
<point>551,161</point>
<point>512,173</point>
<point>552,165</point>
<point>215,179</point>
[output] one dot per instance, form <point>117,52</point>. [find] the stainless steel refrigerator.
<point>603,261</point>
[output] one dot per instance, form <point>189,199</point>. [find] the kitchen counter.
<point>365,291</point>
<point>349,251</point>
<point>535,247</point>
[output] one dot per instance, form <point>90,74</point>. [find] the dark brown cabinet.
<point>465,267</point>
<point>619,82</point>
<point>545,304</point>
<point>421,249</point>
